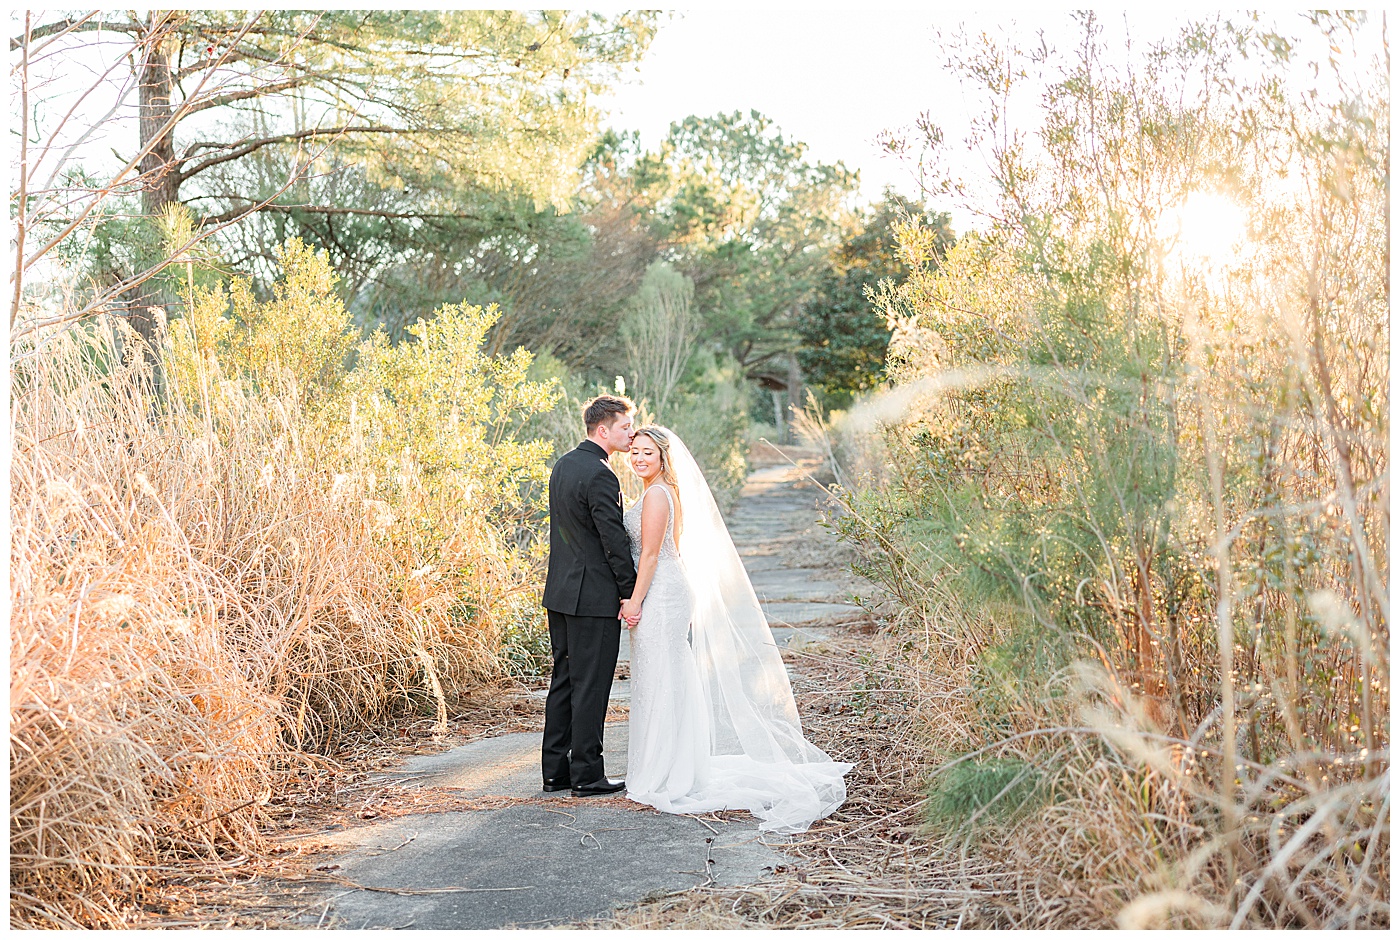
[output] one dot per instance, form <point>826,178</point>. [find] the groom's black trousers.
<point>585,655</point>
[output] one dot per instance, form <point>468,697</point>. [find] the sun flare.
<point>1208,226</point>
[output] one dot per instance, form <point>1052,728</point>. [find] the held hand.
<point>631,612</point>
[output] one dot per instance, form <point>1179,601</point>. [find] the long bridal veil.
<point>760,760</point>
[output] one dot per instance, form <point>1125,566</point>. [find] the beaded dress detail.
<point>668,737</point>
<point>713,722</point>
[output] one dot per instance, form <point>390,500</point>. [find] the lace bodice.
<point>632,520</point>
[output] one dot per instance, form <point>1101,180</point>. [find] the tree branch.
<point>218,101</point>
<point>224,58</point>
<point>91,129</point>
<point>342,210</point>
<point>252,146</point>
<point>82,25</point>
<point>22,201</point>
<point>116,181</point>
<point>228,56</point>
<point>99,305</point>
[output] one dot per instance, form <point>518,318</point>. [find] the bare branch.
<point>218,101</point>
<point>64,27</point>
<point>342,210</point>
<point>255,145</point>
<point>21,217</point>
<point>105,191</point>
<point>88,132</point>
<point>209,62</point>
<point>99,305</point>
<point>243,55</point>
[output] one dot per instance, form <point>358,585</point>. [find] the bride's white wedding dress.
<point>713,722</point>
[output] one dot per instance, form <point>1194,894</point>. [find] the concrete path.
<point>530,859</point>
<point>775,526</point>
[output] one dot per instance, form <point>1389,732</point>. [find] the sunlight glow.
<point>1208,226</point>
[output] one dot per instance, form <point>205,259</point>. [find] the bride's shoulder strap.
<point>670,497</point>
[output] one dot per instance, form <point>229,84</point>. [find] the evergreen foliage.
<point>843,335</point>
<point>1137,449</point>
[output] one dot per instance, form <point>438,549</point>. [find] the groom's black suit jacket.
<point>590,557</point>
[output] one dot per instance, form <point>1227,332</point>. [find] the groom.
<point>590,575</point>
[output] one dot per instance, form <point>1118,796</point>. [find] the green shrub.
<point>983,792</point>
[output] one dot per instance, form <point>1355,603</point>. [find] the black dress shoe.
<point>555,784</point>
<point>600,787</point>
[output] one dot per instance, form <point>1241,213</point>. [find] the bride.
<point>713,722</point>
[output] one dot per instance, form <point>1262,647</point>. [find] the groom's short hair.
<point>606,408</point>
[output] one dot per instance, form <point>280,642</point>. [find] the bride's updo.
<point>668,469</point>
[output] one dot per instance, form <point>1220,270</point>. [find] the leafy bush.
<point>284,549</point>
<point>709,414</point>
<point>1146,469</point>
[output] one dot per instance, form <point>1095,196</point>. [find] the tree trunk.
<point>159,175</point>
<point>158,170</point>
<point>796,391</point>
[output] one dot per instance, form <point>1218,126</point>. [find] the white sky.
<point>832,77</point>
<point>836,78</point>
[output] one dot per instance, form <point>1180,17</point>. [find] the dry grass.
<point>1127,827</point>
<point>1152,560</point>
<point>870,863</point>
<point>1120,844</point>
<point>198,600</point>
<point>279,886</point>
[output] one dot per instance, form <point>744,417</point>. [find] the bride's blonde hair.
<point>668,469</point>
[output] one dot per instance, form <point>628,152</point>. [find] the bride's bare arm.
<point>655,509</point>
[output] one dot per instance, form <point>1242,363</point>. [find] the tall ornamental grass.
<point>1130,486</point>
<point>300,537</point>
